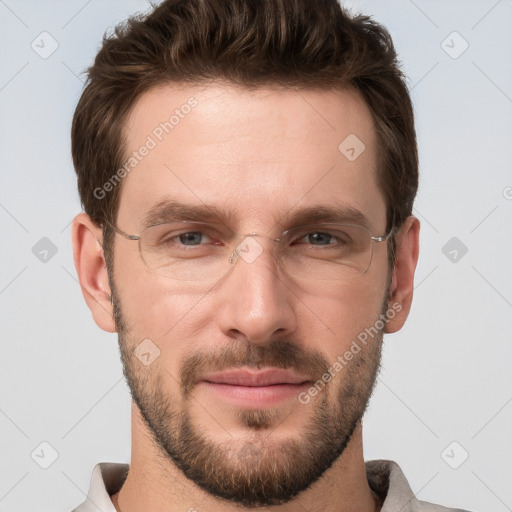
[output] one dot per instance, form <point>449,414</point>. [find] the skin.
<point>261,154</point>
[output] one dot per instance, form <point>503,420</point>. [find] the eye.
<point>322,238</point>
<point>319,238</point>
<point>175,240</point>
<point>192,238</point>
<point>173,237</point>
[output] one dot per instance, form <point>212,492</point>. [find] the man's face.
<point>262,156</point>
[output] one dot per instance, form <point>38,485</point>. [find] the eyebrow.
<point>322,213</point>
<point>172,210</point>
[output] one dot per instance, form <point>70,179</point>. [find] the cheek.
<point>150,307</point>
<point>173,320</point>
<point>172,324</point>
<point>333,321</point>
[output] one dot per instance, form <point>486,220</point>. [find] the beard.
<point>257,468</point>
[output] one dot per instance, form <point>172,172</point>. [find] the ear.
<point>402,282</point>
<point>92,270</point>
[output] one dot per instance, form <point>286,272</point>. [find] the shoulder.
<point>387,480</point>
<point>107,478</point>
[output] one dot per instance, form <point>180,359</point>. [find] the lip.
<point>254,389</point>
<point>258,378</point>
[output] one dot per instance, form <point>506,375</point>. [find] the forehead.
<point>257,153</point>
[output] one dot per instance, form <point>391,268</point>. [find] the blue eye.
<point>191,238</point>
<point>322,238</point>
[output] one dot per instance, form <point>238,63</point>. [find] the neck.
<point>153,486</point>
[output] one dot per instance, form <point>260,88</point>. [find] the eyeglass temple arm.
<point>121,232</point>
<point>392,232</point>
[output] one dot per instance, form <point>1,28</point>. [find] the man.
<point>247,171</point>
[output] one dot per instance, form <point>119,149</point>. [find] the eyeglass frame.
<point>373,238</point>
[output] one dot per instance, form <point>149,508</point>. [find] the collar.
<point>385,478</point>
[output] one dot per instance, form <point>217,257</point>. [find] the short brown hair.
<point>252,43</point>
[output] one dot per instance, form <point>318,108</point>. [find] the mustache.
<point>282,354</point>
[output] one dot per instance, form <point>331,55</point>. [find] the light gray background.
<point>446,375</point>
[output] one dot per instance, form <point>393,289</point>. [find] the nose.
<point>257,302</point>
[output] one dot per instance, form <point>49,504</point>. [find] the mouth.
<point>261,388</point>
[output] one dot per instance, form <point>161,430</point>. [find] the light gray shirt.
<point>385,478</point>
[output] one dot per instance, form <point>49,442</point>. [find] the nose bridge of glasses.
<point>250,249</point>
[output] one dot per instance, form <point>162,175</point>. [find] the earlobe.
<point>92,270</point>
<point>402,281</point>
